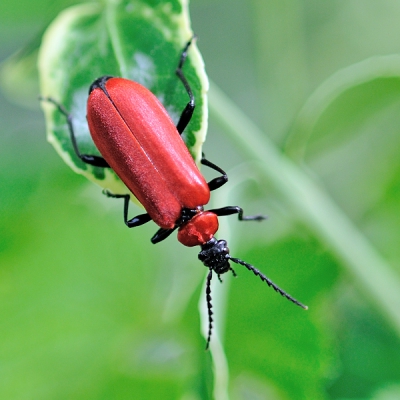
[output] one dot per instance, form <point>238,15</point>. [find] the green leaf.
<point>139,40</point>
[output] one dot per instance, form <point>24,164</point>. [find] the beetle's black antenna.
<point>209,308</point>
<point>268,281</point>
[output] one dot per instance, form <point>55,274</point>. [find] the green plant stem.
<point>313,206</point>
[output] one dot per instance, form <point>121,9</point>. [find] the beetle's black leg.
<point>96,161</point>
<point>187,113</point>
<point>135,221</point>
<point>230,210</point>
<point>161,234</point>
<point>220,180</point>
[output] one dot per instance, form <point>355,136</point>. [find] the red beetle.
<point>138,140</point>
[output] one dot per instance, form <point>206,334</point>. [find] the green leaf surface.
<point>140,41</point>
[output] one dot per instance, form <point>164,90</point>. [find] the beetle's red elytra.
<point>138,140</point>
<point>150,158</point>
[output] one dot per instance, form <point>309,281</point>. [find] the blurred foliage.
<point>91,310</point>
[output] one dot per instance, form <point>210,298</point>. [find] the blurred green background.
<point>91,310</point>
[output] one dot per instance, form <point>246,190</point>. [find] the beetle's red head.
<point>199,230</point>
